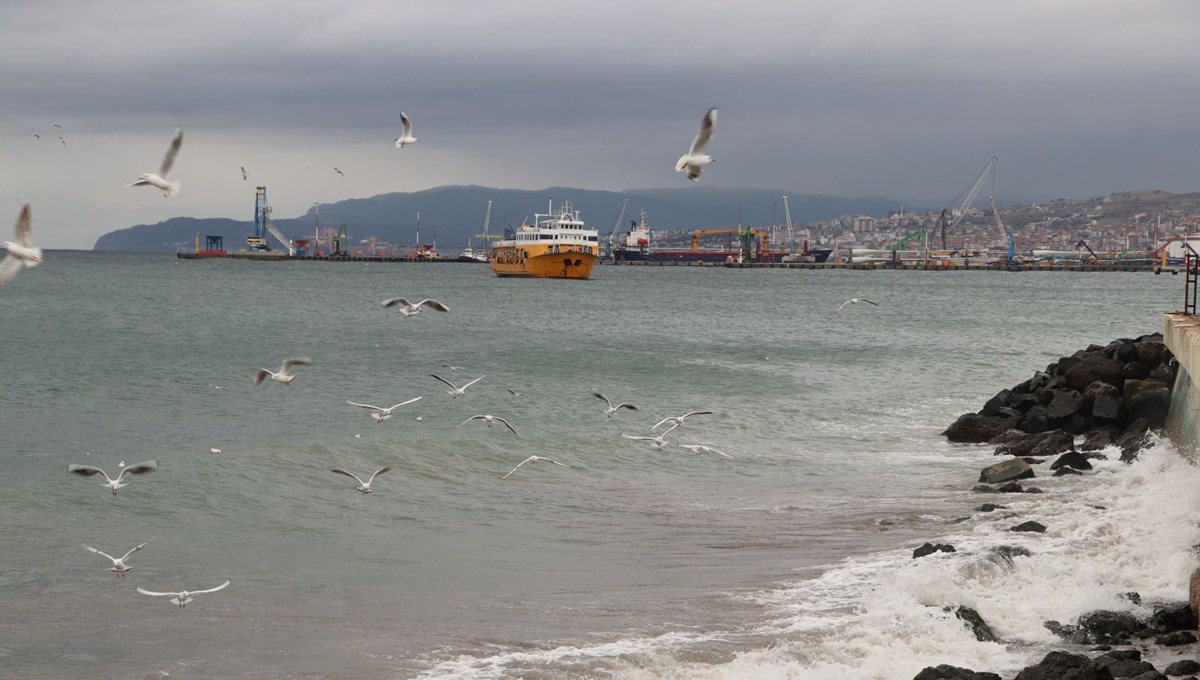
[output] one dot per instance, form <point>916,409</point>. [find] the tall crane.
<point>787,218</point>
<point>952,215</point>
<point>264,226</point>
<point>616,225</point>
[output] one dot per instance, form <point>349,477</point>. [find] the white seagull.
<point>489,419</point>
<point>182,597</point>
<point>700,448</point>
<point>22,252</point>
<point>534,459</point>
<point>160,180</point>
<point>364,487</point>
<point>455,391</point>
<point>854,301</point>
<point>452,367</point>
<point>245,175</point>
<point>408,309</point>
<point>657,442</point>
<point>114,484</point>
<point>612,409</point>
<point>380,413</point>
<point>695,159</point>
<point>339,172</point>
<point>35,134</point>
<point>119,567</point>
<point>678,420</point>
<point>407,136</point>
<point>282,375</point>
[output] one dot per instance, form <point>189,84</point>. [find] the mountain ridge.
<point>450,214</point>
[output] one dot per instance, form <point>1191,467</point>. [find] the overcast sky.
<point>906,99</point>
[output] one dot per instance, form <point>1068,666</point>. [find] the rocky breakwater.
<point>1097,398</point>
<point>1110,394</point>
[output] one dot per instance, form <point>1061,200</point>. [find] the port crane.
<point>263,225</point>
<point>787,218</point>
<point>952,215</point>
<point>616,225</point>
<point>1083,244</point>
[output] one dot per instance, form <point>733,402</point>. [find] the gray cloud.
<point>875,97</point>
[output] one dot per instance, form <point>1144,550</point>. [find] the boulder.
<point>1182,667</point>
<point>1015,468</point>
<point>974,622</point>
<point>989,507</point>
<point>1149,352</point>
<point>1096,389</point>
<point>1100,438</point>
<point>1071,459</point>
<point>1136,370</point>
<point>1034,420</point>
<point>1094,367</point>
<point>1164,373</point>
<point>1030,526</point>
<point>1064,471</point>
<point>1173,617</point>
<point>1104,625</point>
<point>993,405</point>
<point>1011,487</point>
<point>1179,637</point>
<point>930,548</point>
<point>1077,424</point>
<point>973,428</point>
<point>1064,666</point>
<point>1123,668</point>
<point>1107,406</point>
<point>1152,404</point>
<point>1021,444</point>
<point>945,672</point>
<point>1123,350</point>
<point>1055,443</point>
<point>1064,404</point>
<point>1133,387</point>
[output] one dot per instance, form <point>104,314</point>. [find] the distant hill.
<point>451,214</point>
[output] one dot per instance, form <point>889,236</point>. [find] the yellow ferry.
<point>557,246</point>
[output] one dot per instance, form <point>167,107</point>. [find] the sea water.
<point>792,558</point>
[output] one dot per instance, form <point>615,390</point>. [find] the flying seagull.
<point>54,124</point>
<point>514,392</point>
<point>407,136</point>
<point>35,134</point>
<point>657,442</point>
<point>489,419</point>
<point>854,301</point>
<point>695,159</point>
<point>245,175</point>
<point>114,484</point>
<point>534,459</point>
<point>364,487</point>
<point>452,367</point>
<point>455,391</point>
<point>700,448</point>
<point>160,180</point>
<point>22,252</point>
<point>183,597</point>
<point>64,142</point>
<point>678,420</point>
<point>612,409</point>
<point>282,375</point>
<point>408,309</point>
<point>339,172</point>
<point>119,566</point>
<point>380,413</point>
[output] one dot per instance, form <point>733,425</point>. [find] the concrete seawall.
<point>1181,334</point>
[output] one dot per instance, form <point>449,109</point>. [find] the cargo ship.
<point>558,245</point>
<point>747,245</point>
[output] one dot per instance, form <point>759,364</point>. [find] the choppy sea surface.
<point>789,559</point>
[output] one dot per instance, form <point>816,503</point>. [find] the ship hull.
<point>720,256</point>
<point>568,265</point>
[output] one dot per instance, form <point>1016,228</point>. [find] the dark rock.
<point>975,622</point>
<point>1149,352</point>
<point>1124,351</point>
<point>1164,373</point>
<point>1068,633</point>
<point>983,488</point>
<point>1182,667</point>
<point>1139,425</point>
<point>1043,396</point>
<point>1032,489</point>
<point>1100,437</point>
<point>1133,596</point>
<point>1064,471</point>
<point>930,548</point>
<point>1030,526</point>
<point>1071,459</point>
<point>1097,389</point>
<point>1077,424</point>
<point>1134,387</point>
<point>1122,668</point>
<point>1014,468</point>
<point>1136,370</point>
<point>1103,624</point>
<point>1019,443</point>
<point>1179,637</point>
<point>1033,461</point>
<point>1091,369</point>
<point>945,672</point>
<point>1064,666</point>
<point>1060,367</point>
<point>1175,617</point>
<point>1131,443</point>
<point>1064,404</point>
<point>1011,551</point>
<point>1023,402</point>
<point>1008,436</point>
<point>1106,407</point>
<point>1011,487</point>
<point>1053,444</point>
<point>992,406</point>
<point>1151,404</point>
<point>1125,654</point>
<point>974,428</point>
<point>1034,420</point>
<point>989,507</point>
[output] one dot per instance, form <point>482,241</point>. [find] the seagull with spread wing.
<point>695,159</point>
<point>407,136</point>
<point>380,413</point>
<point>183,597</point>
<point>534,459</point>
<point>159,180</point>
<point>282,375</point>
<point>612,409</point>
<point>22,252</point>
<point>854,301</point>
<point>119,566</point>
<point>364,487</point>
<point>408,308</point>
<point>114,484</point>
<point>454,390</point>
<point>489,419</point>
